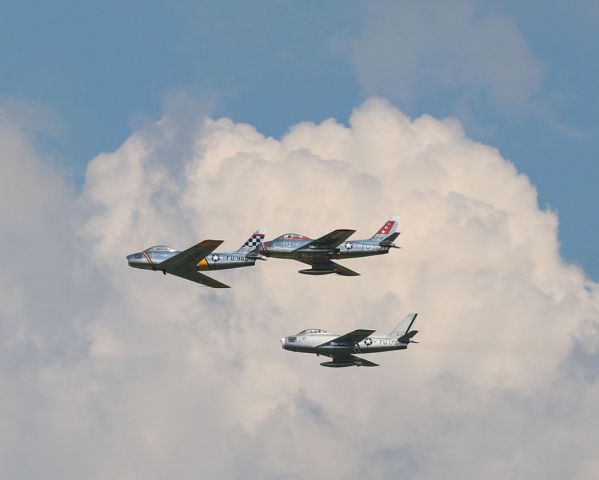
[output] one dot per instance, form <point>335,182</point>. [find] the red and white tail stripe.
<point>388,228</point>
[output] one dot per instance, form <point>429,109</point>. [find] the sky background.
<point>519,76</point>
<point>124,125</point>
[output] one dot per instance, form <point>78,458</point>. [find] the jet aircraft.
<point>189,263</point>
<point>340,348</point>
<point>320,253</point>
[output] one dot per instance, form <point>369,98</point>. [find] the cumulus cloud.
<point>171,379</point>
<point>438,47</point>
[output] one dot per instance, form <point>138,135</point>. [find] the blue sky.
<point>105,68</point>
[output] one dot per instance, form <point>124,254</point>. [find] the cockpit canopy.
<point>160,248</point>
<point>312,330</point>
<point>293,236</point>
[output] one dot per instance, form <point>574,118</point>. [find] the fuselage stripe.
<point>148,258</point>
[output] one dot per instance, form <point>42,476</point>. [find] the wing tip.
<point>210,243</point>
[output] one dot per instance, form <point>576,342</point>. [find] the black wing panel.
<point>350,338</point>
<point>344,271</point>
<point>191,256</point>
<point>184,264</point>
<point>330,240</point>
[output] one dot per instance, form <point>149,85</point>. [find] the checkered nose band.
<point>254,241</point>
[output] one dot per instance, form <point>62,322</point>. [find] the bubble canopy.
<point>160,248</point>
<point>293,236</point>
<point>312,330</point>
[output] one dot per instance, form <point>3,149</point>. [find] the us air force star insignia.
<point>215,258</point>
<point>368,341</point>
<point>348,246</point>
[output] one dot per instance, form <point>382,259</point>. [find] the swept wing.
<point>198,277</point>
<point>328,266</point>
<point>330,240</point>
<point>350,338</point>
<point>348,361</point>
<point>184,264</point>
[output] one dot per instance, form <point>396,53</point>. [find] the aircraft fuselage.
<point>151,258</point>
<point>294,249</point>
<point>309,343</point>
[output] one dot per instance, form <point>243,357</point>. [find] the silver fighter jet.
<point>342,347</point>
<point>189,263</point>
<point>320,253</point>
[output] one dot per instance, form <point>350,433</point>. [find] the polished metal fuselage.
<point>294,249</point>
<point>150,260</point>
<point>309,343</point>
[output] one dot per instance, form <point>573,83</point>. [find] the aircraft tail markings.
<point>253,243</point>
<point>387,233</point>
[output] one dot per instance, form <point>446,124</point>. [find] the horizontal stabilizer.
<point>407,338</point>
<point>388,241</point>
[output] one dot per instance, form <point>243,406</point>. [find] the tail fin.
<point>402,331</point>
<point>253,243</point>
<point>387,233</point>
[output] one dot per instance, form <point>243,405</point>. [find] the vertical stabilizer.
<point>404,327</point>
<point>252,243</point>
<point>388,232</point>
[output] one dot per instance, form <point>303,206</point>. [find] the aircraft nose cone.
<point>283,342</point>
<point>136,260</point>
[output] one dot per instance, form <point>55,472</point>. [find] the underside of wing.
<point>325,266</point>
<point>195,276</point>
<point>330,240</point>
<point>350,338</point>
<point>184,264</point>
<point>348,361</point>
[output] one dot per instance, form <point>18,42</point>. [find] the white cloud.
<point>169,379</point>
<point>409,49</point>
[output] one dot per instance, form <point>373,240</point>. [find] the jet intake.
<point>311,271</point>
